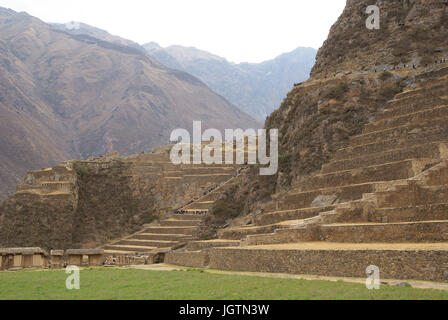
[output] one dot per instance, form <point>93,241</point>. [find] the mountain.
<point>256,88</point>
<point>65,95</point>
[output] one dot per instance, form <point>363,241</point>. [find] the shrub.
<point>385,75</point>
<point>83,171</point>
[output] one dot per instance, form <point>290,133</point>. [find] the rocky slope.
<point>411,32</point>
<point>256,88</point>
<point>71,96</point>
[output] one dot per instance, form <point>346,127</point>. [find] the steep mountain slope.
<point>411,32</point>
<point>257,89</point>
<point>66,96</point>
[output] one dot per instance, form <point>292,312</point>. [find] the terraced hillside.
<point>90,203</point>
<point>382,200</point>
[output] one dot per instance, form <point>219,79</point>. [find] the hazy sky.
<point>239,30</point>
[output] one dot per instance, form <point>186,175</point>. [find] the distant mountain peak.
<point>182,53</point>
<point>152,46</point>
<point>80,28</point>
<point>256,88</point>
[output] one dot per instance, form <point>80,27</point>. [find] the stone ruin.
<point>13,259</point>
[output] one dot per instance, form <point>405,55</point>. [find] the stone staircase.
<point>170,232</point>
<point>381,200</point>
<point>178,229</point>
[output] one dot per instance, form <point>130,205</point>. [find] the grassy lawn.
<point>126,284</point>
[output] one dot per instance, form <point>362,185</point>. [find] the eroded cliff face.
<point>411,32</point>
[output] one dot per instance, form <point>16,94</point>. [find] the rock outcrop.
<point>412,32</point>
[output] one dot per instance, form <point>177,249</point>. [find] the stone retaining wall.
<point>429,265</point>
<point>198,259</point>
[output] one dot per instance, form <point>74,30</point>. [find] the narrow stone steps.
<point>434,113</point>
<point>385,172</point>
<point>431,150</point>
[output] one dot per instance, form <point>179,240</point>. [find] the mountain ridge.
<point>256,88</point>
<point>74,96</point>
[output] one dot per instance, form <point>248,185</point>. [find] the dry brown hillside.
<point>71,96</point>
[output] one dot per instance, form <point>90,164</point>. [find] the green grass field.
<point>124,284</point>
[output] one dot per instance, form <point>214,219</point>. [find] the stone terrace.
<point>199,186</point>
<point>382,200</point>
